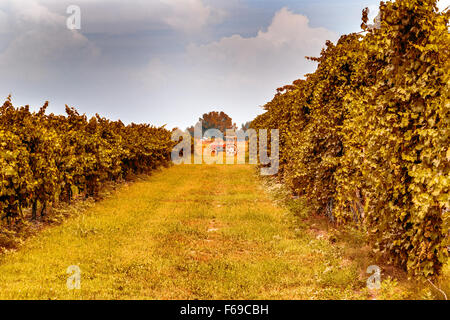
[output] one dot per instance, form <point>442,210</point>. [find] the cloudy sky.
<point>165,61</point>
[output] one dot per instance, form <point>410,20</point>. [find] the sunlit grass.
<point>187,232</point>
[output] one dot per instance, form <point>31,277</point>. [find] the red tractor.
<point>222,146</point>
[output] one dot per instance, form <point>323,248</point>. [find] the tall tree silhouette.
<point>215,120</point>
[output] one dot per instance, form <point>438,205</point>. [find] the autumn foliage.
<point>44,159</point>
<point>365,138</point>
<point>214,120</point>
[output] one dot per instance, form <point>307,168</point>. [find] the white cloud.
<point>190,15</point>
<point>120,17</point>
<point>282,48</point>
<point>39,38</point>
<point>236,73</point>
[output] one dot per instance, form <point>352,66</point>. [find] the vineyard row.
<point>44,158</point>
<point>365,138</point>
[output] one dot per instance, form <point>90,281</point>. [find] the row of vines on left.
<point>46,158</point>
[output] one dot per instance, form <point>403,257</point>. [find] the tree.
<point>245,126</point>
<point>215,120</point>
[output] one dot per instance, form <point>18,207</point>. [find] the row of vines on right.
<point>365,138</point>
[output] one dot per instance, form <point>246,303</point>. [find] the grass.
<point>195,232</point>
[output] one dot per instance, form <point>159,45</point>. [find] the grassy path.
<point>187,232</point>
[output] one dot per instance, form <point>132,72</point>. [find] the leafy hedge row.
<point>44,158</point>
<point>366,137</point>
